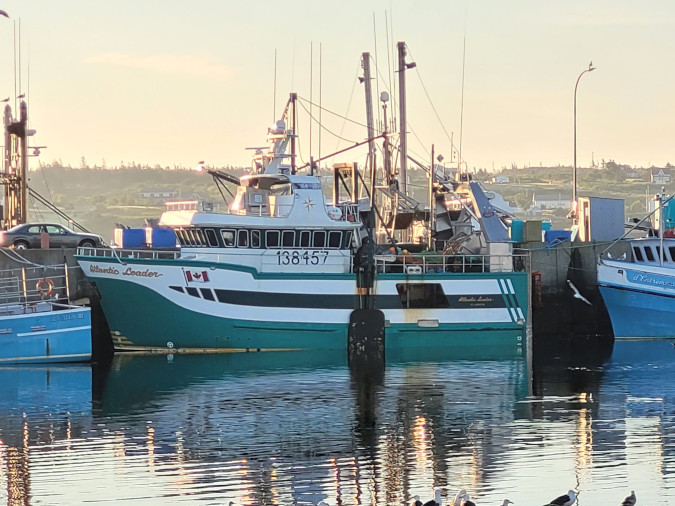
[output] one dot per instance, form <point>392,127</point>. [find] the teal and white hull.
<point>182,304</point>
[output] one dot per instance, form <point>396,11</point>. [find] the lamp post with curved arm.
<point>574,173</point>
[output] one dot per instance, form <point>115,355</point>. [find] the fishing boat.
<point>37,323</point>
<point>639,290</point>
<point>284,268</point>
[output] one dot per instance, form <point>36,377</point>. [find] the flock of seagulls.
<point>463,499</point>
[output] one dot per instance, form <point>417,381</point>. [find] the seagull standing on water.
<point>567,499</point>
<point>577,295</point>
<point>457,501</point>
<point>467,501</point>
<point>436,501</point>
<point>630,500</point>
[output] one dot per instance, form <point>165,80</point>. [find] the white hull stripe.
<point>54,331</point>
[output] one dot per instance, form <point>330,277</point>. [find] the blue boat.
<point>37,324</point>
<point>639,289</point>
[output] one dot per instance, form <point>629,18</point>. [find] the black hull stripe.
<point>325,301</point>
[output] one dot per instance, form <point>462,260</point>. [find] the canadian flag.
<point>196,277</point>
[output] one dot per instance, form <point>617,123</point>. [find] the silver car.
<point>29,235</point>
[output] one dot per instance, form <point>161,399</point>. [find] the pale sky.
<point>167,82</point>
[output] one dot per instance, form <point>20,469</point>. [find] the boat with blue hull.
<point>37,325</point>
<point>640,293</point>
<point>639,288</point>
<point>284,269</point>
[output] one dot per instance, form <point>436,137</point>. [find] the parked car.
<point>29,235</point>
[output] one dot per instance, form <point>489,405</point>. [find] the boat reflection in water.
<point>42,408</point>
<point>300,427</point>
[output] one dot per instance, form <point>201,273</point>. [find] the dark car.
<point>29,235</point>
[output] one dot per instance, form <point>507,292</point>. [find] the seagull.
<point>467,501</point>
<point>567,499</point>
<point>507,502</point>
<point>577,295</point>
<point>457,501</point>
<point>630,500</point>
<point>416,501</point>
<point>4,13</point>
<point>436,501</point>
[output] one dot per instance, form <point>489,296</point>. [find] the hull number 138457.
<point>301,257</point>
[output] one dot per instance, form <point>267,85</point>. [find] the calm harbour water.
<point>298,428</point>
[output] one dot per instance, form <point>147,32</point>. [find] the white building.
<point>558,200</point>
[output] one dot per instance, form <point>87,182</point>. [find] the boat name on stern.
<point>147,273</point>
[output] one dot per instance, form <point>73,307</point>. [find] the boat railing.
<point>28,286</point>
<point>119,253</point>
<point>412,263</point>
<point>419,263</point>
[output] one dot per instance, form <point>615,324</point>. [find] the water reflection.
<point>296,428</point>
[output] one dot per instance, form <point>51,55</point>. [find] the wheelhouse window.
<point>272,238</point>
<point>211,237</point>
<point>305,238</point>
<point>671,249</point>
<point>649,253</point>
<point>347,240</point>
<point>242,238</point>
<point>200,238</point>
<point>334,239</point>
<point>319,239</point>
<point>422,295</point>
<point>228,238</point>
<point>192,240</point>
<point>288,238</point>
<point>638,254</point>
<point>255,238</point>
<point>187,237</point>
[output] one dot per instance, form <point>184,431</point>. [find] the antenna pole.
<point>403,176</point>
<point>369,108</point>
<point>294,119</point>
<point>461,112</point>
<point>311,88</point>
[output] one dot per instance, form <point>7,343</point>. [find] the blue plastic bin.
<point>130,237</point>
<point>560,235</point>
<point>160,237</point>
<point>517,230</point>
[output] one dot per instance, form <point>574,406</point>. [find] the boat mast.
<point>403,176</point>
<point>294,118</point>
<point>369,119</point>
<point>15,167</point>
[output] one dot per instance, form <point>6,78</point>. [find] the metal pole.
<point>369,112</point>
<point>574,173</point>
<point>432,202</point>
<point>403,176</point>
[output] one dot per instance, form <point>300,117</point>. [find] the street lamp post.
<point>574,173</point>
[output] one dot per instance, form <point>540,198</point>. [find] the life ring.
<point>45,287</point>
